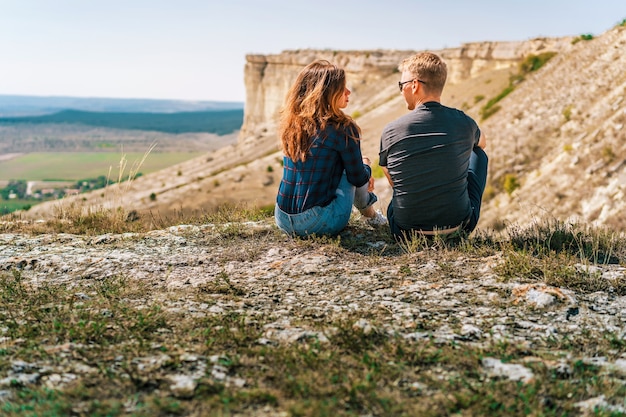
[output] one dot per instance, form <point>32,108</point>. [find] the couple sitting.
<point>432,157</point>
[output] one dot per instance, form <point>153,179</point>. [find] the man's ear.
<point>415,85</point>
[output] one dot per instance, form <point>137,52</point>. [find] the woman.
<point>324,173</point>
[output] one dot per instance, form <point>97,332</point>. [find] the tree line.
<point>219,122</point>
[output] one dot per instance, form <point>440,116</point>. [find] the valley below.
<point>48,157</point>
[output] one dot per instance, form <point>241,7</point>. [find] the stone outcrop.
<point>434,295</point>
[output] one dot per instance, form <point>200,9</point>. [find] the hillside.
<point>559,132</point>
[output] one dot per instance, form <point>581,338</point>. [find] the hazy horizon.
<point>17,106</point>
<point>63,97</point>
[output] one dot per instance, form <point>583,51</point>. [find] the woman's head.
<point>320,88</point>
<point>314,101</point>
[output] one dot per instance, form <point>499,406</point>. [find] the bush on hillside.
<point>510,183</point>
<point>534,62</point>
<point>529,64</point>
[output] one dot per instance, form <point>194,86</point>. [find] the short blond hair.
<point>429,68</point>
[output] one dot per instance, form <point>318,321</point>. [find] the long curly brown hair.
<point>312,103</point>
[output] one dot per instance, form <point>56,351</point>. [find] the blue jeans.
<point>476,182</point>
<point>330,219</point>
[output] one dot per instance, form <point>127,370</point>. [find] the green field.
<point>71,166</point>
<point>8,206</point>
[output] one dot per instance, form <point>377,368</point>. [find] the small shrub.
<point>583,37</point>
<point>516,79</point>
<point>534,62</point>
<point>607,154</point>
<point>179,173</point>
<point>270,168</point>
<point>153,197</point>
<point>356,114</point>
<point>487,112</point>
<point>510,183</point>
<point>567,112</point>
<point>478,98</point>
<point>568,148</point>
<point>490,108</point>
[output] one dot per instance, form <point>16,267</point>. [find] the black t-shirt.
<point>427,155</point>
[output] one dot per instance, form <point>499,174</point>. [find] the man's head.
<point>423,78</point>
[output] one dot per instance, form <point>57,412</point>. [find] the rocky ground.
<point>438,294</point>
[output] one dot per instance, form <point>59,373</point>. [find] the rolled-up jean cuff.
<point>363,198</point>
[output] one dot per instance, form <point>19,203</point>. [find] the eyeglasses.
<point>401,83</point>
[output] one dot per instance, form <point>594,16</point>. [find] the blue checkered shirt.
<point>314,182</point>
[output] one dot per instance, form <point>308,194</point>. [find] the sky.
<point>196,50</point>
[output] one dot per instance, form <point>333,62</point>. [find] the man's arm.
<point>386,171</point>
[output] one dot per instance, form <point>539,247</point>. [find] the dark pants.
<point>476,181</point>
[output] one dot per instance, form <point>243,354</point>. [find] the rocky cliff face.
<point>268,77</point>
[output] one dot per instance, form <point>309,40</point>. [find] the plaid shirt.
<point>314,182</point>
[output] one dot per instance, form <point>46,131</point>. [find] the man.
<point>433,157</point>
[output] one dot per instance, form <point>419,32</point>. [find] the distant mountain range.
<point>16,106</point>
